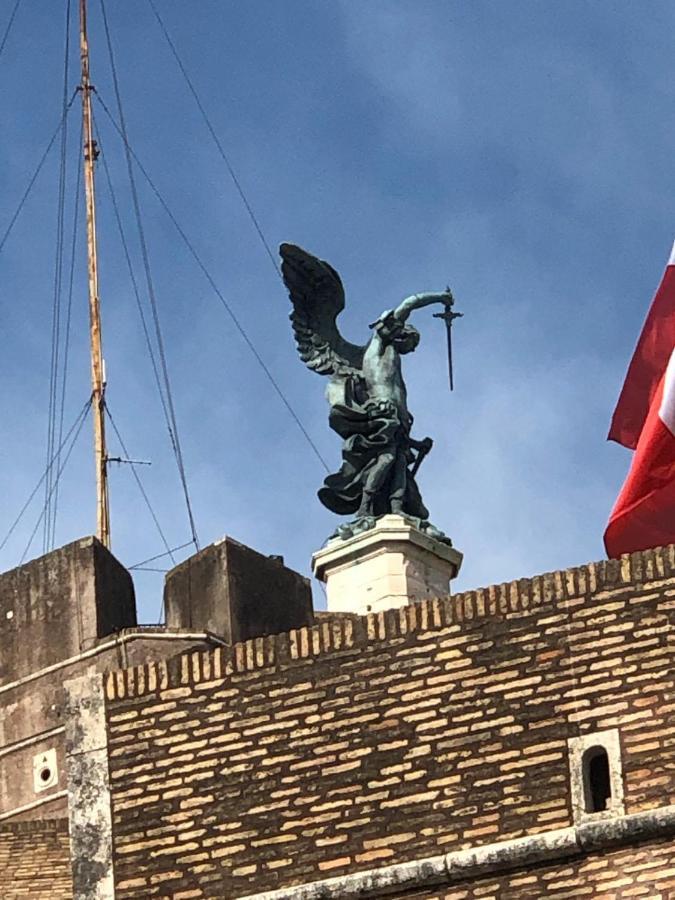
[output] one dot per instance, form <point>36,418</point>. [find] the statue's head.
<point>407,340</point>
<point>404,338</point>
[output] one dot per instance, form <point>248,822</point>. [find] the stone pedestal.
<point>390,565</point>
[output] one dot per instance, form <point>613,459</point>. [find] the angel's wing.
<point>318,298</point>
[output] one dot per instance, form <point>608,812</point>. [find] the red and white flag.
<point>644,420</point>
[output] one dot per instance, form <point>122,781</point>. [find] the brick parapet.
<point>341,633</point>
<point>358,743</point>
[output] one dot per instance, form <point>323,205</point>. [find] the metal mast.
<point>97,369</point>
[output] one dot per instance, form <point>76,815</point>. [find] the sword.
<point>448,317</point>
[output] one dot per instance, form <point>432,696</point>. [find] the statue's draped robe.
<point>366,438</point>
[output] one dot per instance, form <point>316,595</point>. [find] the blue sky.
<point>521,152</point>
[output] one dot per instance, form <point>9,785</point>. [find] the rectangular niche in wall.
<point>596,777</point>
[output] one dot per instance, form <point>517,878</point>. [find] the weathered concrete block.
<point>58,605</point>
<point>234,592</point>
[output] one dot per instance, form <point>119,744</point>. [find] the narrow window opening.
<point>597,782</point>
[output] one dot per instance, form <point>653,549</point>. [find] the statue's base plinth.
<point>390,565</point>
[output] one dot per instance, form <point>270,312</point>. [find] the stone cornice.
<point>493,859</point>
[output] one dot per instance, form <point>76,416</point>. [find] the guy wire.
<point>81,415</point>
<point>69,309</point>
<point>34,176</point>
<point>139,483</point>
<point>216,140</point>
<point>9,26</point>
<point>173,431</point>
<point>58,476</point>
<point>49,525</point>
<point>134,281</point>
<point>193,252</point>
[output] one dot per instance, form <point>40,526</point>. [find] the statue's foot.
<point>366,521</point>
<point>434,532</point>
<point>356,526</point>
<point>363,523</point>
<point>415,521</point>
<point>425,526</point>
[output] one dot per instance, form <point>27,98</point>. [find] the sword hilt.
<point>448,315</point>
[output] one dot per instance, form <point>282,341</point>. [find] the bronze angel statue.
<point>366,393</point>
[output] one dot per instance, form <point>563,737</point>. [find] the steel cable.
<point>58,476</point>
<point>139,483</point>
<point>34,176</point>
<point>160,555</point>
<point>216,289</point>
<point>9,25</point>
<point>50,517</point>
<point>81,415</point>
<point>134,282</point>
<point>173,423</point>
<point>69,308</point>
<point>216,140</point>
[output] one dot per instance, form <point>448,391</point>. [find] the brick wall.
<point>35,861</point>
<point>362,742</point>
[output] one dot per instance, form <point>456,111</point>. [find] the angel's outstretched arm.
<point>417,301</point>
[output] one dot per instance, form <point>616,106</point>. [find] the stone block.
<point>236,593</point>
<point>60,604</point>
<point>390,565</point>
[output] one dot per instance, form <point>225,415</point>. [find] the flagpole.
<point>97,365</point>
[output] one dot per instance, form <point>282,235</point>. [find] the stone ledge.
<point>34,826</point>
<point>493,859</point>
<point>114,641</point>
